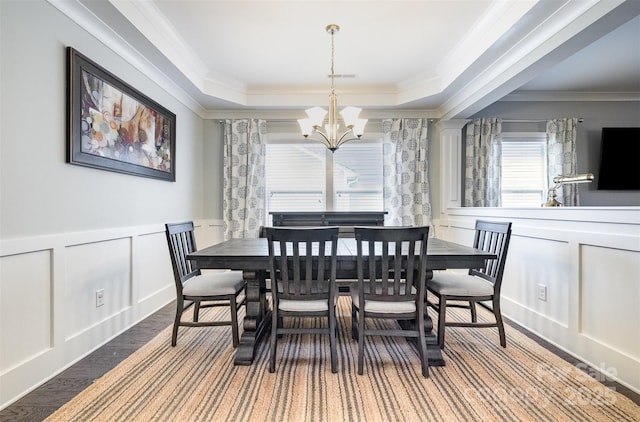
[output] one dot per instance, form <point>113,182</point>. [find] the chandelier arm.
<point>325,138</point>
<point>343,140</point>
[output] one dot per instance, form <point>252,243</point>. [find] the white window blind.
<point>524,169</point>
<point>295,177</point>
<point>305,176</point>
<point>357,177</point>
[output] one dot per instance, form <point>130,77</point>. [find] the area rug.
<point>481,381</point>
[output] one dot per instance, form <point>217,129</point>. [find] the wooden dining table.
<point>251,256</point>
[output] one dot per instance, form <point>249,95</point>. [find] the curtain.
<point>562,157</point>
<point>483,166</point>
<point>244,177</point>
<point>405,169</point>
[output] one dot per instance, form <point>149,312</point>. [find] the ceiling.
<point>448,57</point>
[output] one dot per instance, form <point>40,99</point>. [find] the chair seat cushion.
<point>449,284</point>
<point>214,284</point>
<point>384,307</point>
<point>304,305</point>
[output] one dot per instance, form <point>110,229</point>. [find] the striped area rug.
<point>197,381</point>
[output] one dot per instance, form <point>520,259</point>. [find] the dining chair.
<point>477,286</point>
<point>262,233</point>
<point>392,268</point>
<point>302,267</point>
<point>220,288</point>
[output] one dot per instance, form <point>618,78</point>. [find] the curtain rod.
<point>270,120</point>
<point>296,121</point>
<point>580,120</point>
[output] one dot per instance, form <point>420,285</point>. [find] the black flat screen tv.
<point>619,159</point>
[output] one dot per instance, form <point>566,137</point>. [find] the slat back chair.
<point>303,274</point>
<point>479,286</point>
<point>181,238</point>
<point>220,288</point>
<point>392,269</point>
<point>492,237</point>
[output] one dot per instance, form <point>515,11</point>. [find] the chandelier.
<point>332,135</point>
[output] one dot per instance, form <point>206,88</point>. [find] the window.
<point>524,169</point>
<point>357,177</point>
<point>295,177</point>
<point>306,176</point>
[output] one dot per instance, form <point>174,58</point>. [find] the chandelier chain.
<point>332,60</point>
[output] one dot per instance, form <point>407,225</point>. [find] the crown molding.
<point>293,115</point>
<point>495,74</point>
<point>103,33</point>
<point>152,24</point>
<point>571,96</point>
<point>497,21</point>
<point>515,66</point>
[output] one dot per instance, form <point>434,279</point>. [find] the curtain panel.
<point>405,170</point>
<point>562,157</point>
<point>483,166</point>
<point>244,177</point>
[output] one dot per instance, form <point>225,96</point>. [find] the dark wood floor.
<point>46,399</point>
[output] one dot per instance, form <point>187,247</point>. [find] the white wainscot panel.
<point>610,297</point>
<point>25,301</point>
<point>532,262</point>
<point>154,271</point>
<point>463,236</point>
<point>208,232</point>
<point>91,267</point>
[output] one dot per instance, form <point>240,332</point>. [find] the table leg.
<point>434,353</point>
<point>257,320</point>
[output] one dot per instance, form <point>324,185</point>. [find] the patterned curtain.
<point>562,156</point>
<point>483,151</point>
<point>405,170</point>
<point>244,181</point>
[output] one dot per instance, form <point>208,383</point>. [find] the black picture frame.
<point>113,126</point>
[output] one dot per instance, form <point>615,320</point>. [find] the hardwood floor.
<point>46,399</point>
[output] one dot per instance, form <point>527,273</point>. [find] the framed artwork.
<point>112,126</point>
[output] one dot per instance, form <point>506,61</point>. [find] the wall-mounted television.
<point>619,159</point>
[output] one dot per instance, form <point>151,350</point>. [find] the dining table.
<point>251,256</point>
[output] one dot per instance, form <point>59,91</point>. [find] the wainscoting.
<point>588,261</point>
<point>49,317</point>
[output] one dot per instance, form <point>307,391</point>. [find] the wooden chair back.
<point>491,236</point>
<point>302,262</point>
<point>182,241</point>
<point>391,262</point>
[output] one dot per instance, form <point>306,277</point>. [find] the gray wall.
<point>42,194</point>
<point>596,116</point>
<point>213,168</point>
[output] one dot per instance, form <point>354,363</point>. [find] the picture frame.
<point>113,126</point>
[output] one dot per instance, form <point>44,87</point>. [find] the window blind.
<point>524,174</point>
<point>298,173</point>
<point>357,177</point>
<point>295,177</point>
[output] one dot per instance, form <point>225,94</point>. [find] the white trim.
<point>571,96</point>
<point>79,13</point>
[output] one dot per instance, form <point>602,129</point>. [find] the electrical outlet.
<point>99,298</point>
<point>542,292</point>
